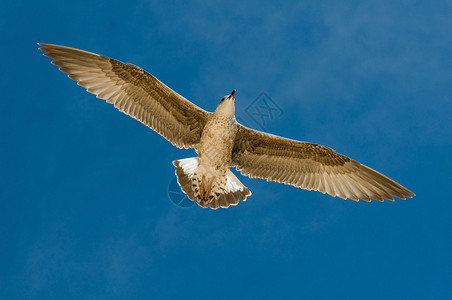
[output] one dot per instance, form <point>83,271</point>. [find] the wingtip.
<point>407,194</point>
<point>43,47</point>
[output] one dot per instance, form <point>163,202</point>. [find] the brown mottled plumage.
<point>311,167</point>
<point>134,92</point>
<point>218,139</point>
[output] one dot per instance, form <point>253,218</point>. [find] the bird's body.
<point>212,182</point>
<point>217,141</point>
<point>220,142</point>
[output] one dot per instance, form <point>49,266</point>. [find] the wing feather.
<point>134,92</point>
<point>310,166</point>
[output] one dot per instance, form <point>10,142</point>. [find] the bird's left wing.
<point>310,166</point>
<point>134,92</point>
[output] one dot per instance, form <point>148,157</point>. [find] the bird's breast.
<point>217,140</point>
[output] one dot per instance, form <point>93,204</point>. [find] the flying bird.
<point>219,140</point>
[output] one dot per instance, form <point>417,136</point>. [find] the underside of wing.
<point>134,92</point>
<point>311,167</point>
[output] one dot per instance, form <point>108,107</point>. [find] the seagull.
<point>218,139</point>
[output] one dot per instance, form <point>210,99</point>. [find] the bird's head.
<point>226,107</point>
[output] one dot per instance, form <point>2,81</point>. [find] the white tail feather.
<point>207,186</point>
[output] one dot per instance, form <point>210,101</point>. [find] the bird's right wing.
<point>310,166</point>
<point>134,92</point>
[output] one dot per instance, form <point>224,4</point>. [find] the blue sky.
<point>84,206</point>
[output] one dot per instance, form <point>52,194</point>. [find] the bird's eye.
<point>222,99</point>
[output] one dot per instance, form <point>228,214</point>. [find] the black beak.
<point>232,94</point>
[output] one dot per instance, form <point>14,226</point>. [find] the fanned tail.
<point>207,186</point>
